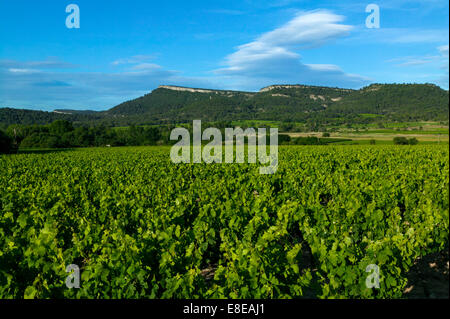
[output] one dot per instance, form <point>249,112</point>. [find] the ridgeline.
<point>286,103</point>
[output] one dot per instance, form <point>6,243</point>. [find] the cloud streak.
<point>46,89</point>
<point>439,61</point>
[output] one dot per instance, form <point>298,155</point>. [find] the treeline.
<point>62,134</point>
<point>10,116</point>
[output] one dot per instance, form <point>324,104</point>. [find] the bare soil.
<point>429,277</point>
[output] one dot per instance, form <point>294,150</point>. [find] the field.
<point>140,226</point>
<point>426,132</point>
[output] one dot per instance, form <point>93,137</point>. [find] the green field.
<point>140,226</point>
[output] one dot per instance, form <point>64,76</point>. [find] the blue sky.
<point>125,49</point>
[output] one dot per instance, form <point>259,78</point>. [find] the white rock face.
<point>298,86</point>
<point>192,90</point>
<point>272,87</point>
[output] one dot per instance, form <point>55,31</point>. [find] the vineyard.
<point>139,226</point>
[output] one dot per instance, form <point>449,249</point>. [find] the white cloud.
<point>146,67</point>
<point>323,67</point>
<point>272,57</point>
<point>22,71</point>
<point>444,50</point>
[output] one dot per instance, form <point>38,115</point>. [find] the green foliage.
<point>60,127</point>
<point>61,134</point>
<point>310,140</point>
<point>140,226</point>
<point>397,102</point>
<point>283,139</point>
<point>313,140</point>
<point>10,116</point>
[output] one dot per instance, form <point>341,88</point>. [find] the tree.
<point>404,141</point>
<point>283,139</point>
<point>60,127</point>
<point>400,140</point>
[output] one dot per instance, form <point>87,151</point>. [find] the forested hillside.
<point>286,103</point>
<point>397,102</point>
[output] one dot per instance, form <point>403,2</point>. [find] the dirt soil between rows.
<point>429,277</point>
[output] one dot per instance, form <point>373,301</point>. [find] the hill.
<point>386,102</point>
<point>286,103</point>
<point>9,116</point>
<point>397,102</point>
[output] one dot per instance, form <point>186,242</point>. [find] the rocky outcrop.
<point>194,90</point>
<point>288,86</point>
<point>298,86</point>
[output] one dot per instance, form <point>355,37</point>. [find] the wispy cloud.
<point>414,61</point>
<point>273,3</point>
<point>399,35</point>
<point>134,59</point>
<point>23,71</point>
<point>443,49</point>
<point>46,89</point>
<point>444,79</point>
<point>29,66</point>
<point>438,62</point>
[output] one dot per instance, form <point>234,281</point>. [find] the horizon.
<point>122,52</point>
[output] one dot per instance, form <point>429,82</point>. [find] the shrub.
<point>400,140</point>
<point>283,139</point>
